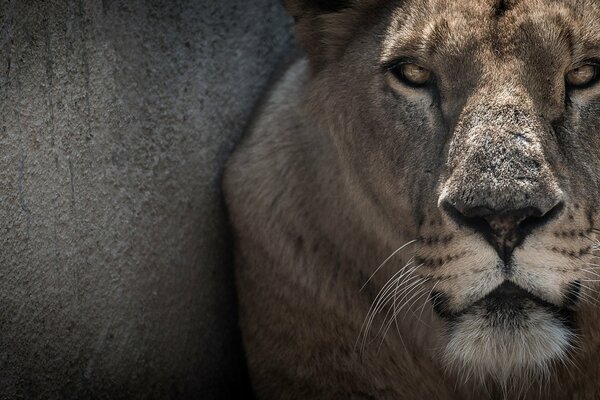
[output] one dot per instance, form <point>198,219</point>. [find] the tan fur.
<point>344,167</point>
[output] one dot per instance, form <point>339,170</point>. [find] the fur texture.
<point>396,242</point>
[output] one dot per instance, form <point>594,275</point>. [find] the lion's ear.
<point>323,26</point>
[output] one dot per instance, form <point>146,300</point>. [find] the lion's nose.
<point>504,229</point>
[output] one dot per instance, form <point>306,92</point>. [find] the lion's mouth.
<point>509,297</point>
<point>509,305</point>
<point>508,332</point>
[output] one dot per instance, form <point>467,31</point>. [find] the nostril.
<point>460,215</point>
<point>480,211</point>
<point>469,217</point>
<point>538,219</point>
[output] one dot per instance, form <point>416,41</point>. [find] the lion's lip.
<point>505,296</point>
<point>508,294</point>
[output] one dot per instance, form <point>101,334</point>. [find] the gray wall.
<point>115,118</point>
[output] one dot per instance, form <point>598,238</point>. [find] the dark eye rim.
<point>592,82</point>
<point>395,68</point>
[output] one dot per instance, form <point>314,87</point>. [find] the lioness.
<point>415,206</point>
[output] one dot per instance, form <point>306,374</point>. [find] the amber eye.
<point>412,74</point>
<point>583,76</point>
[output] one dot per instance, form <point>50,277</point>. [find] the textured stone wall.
<point>115,119</point>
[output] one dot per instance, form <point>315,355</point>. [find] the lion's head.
<point>473,127</point>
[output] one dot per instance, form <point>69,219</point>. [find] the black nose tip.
<point>504,229</point>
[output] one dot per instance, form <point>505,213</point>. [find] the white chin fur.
<point>477,349</point>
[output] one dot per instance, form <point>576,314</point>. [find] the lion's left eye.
<point>412,74</point>
<point>583,76</point>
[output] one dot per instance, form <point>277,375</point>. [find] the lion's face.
<point>473,127</point>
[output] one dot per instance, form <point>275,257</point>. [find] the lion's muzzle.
<point>499,181</point>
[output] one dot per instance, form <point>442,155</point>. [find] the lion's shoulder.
<point>269,175</point>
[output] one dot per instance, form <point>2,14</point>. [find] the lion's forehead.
<point>445,28</point>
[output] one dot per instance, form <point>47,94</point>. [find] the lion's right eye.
<point>583,76</point>
<point>412,74</point>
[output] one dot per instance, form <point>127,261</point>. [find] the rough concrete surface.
<point>115,118</point>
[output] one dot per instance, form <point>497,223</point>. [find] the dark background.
<point>115,120</point>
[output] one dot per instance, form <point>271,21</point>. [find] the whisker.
<point>594,265</point>
<point>387,292</point>
<point>385,262</point>
<point>406,292</point>
<point>394,302</point>
<point>393,296</point>
<point>593,290</point>
<point>579,296</point>
<point>386,288</point>
<point>591,272</point>
<point>590,299</point>
<point>425,302</point>
<point>402,272</point>
<point>409,308</point>
<point>387,326</point>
